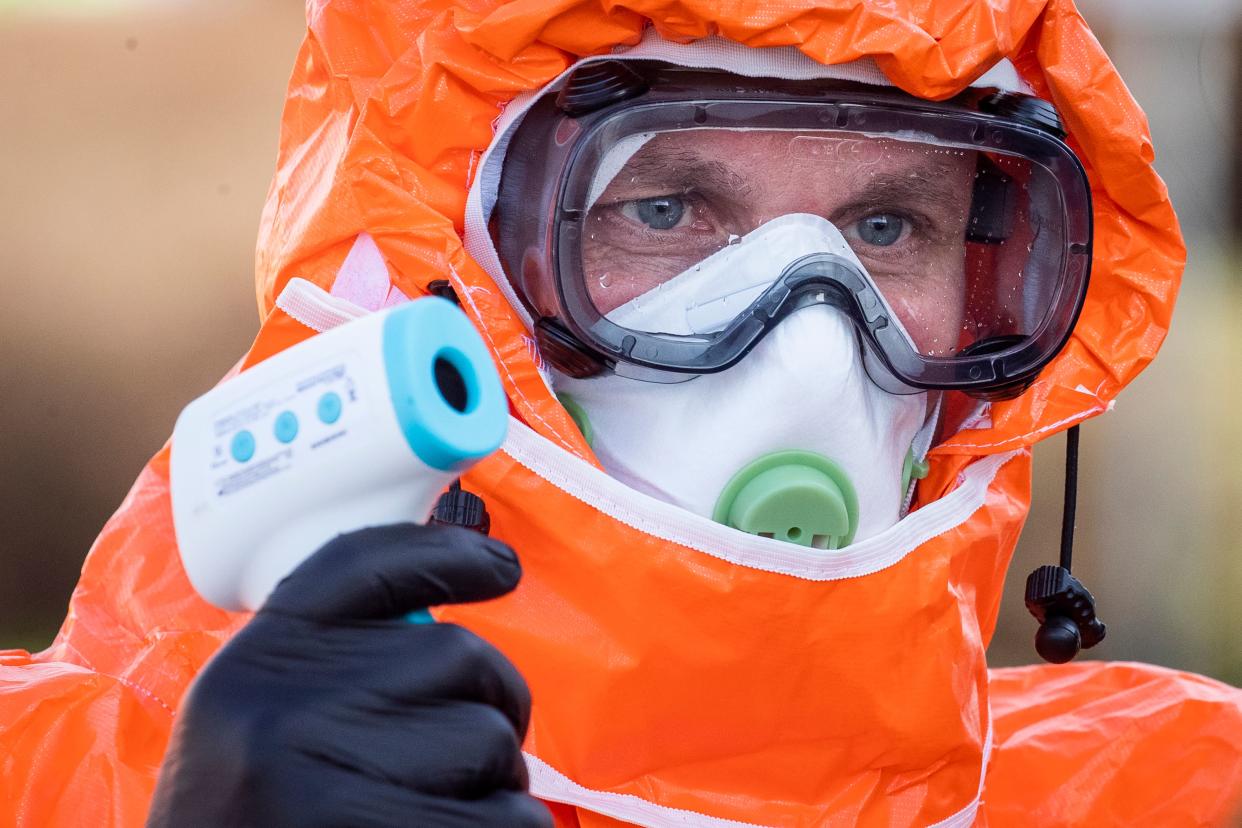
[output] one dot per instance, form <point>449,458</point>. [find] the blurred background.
<point>137,140</point>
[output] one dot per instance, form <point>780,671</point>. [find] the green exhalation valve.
<point>795,496</point>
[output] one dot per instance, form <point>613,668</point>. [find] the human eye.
<point>664,212</point>
<point>892,242</point>
<point>882,229</point>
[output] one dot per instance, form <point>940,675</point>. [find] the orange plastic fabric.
<point>736,692</point>
<point>389,108</point>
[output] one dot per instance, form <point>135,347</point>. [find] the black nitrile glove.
<point>330,709</point>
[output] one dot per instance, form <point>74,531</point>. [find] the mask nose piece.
<point>794,496</point>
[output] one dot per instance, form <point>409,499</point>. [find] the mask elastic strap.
<point>919,446</point>
<point>1063,607</point>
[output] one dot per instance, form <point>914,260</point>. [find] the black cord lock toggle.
<point>458,507</point>
<point>1065,611</point>
<point>1063,607</point>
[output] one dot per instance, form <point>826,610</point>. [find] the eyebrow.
<point>915,185</point>
<point>920,183</point>
<point>684,167</point>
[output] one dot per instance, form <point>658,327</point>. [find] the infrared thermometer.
<point>363,425</point>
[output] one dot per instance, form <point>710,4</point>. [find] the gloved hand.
<point>330,709</point>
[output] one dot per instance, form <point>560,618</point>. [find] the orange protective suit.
<point>677,678</point>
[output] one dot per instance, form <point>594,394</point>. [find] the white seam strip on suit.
<point>548,783</point>
<point>651,516</point>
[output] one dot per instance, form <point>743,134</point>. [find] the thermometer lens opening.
<point>450,382</point>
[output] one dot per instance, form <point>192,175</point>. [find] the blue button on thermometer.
<point>286,427</point>
<point>242,447</point>
<point>330,407</point>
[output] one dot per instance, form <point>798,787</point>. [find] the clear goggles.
<point>664,233</point>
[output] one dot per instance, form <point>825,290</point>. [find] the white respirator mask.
<point>795,442</point>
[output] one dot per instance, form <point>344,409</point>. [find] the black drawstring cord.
<point>1063,607</point>
<point>1070,508</point>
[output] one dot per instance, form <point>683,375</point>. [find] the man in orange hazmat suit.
<point>781,295</point>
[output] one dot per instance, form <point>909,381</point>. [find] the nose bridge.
<point>825,277</point>
<point>789,198</point>
<point>818,332</point>
<point>820,343</point>
<point>820,311</point>
<point>795,181</point>
<point>815,298</point>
